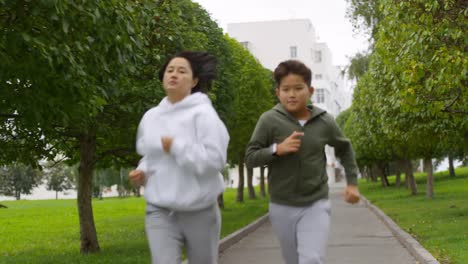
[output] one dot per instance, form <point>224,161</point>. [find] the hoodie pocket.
<point>150,182</point>
<point>311,177</point>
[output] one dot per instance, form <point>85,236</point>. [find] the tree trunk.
<point>407,181</point>
<point>17,195</point>
<point>250,186</point>
<point>451,167</point>
<point>410,177</point>
<point>383,175</point>
<point>56,195</point>
<point>240,186</point>
<point>364,173</point>
<point>398,173</point>
<point>88,237</point>
<point>372,174</point>
<point>383,180</point>
<point>398,177</point>
<point>430,178</point>
<point>138,191</point>
<point>221,201</point>
<point>262,181</point>
<point>100,190</point>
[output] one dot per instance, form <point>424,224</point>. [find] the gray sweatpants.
<point>302,231</point>
<point>169,231</point>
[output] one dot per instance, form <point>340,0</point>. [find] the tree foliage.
<point>76,77</point>
<point>252,85</point>
<point>59,176</point>
<point>17,179</point>
<point>412,97</point>
<point>358,66</point>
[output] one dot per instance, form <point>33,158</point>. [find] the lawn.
<point>439,224</point>
<point>47,231</point>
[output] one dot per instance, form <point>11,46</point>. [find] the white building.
<point>274,41</point>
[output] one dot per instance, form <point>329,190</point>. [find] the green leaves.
<point>412,97</point>
<point>69,66</point>
<point>252,85</point>
<point>18,179</point>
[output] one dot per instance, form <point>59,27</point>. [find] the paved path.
<point>357,236</point>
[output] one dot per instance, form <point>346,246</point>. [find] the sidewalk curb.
<point>417,250</point>
<point>233,238</point>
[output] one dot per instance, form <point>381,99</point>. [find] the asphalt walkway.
<point>357,236</point>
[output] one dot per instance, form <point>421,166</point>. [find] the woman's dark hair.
<point>294,67</point>
<point>203,67</point>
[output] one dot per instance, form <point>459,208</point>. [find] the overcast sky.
<point>327,16</point>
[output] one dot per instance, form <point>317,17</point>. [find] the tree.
<point>252,84</point>
<point>251,189</point>
<point>82,97</point>
<point>77,76</point>
<point>225,173</point>
<point>343,117</point>
<point>17,179</point>
<point>426,81</point>
<point>365,15</point>
<point>414,77</point>
<point>358,66</point>
<point>65,74</point>
<point>59,177</point>
<point>262,181</point>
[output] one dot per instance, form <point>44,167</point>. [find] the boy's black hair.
<point>292,67</point>
<point>203,67</point>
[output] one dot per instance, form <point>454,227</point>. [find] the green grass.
<point>439,224</point>
<point>47,231</point>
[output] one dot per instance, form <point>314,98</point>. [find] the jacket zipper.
<point>300,176</point>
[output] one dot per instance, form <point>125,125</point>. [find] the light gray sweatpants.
<point>302,231</point>
<point>168,231</point>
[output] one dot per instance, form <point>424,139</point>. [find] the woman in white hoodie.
<point>183,144</point>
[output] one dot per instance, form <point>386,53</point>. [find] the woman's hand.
<point>351,194</point>
<point>166,143</point>
<point>136,177</point>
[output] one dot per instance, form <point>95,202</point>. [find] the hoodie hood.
<point>189,101</point>
<point>314,111</point>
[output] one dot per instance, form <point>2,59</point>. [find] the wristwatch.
<point>273,149</point>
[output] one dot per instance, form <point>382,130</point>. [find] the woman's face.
<point>178,79</point>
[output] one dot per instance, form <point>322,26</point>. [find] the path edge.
<point>414,247</point>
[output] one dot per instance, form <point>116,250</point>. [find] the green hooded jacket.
<point>300,178</point>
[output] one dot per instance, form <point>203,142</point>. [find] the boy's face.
<point>294,94</point>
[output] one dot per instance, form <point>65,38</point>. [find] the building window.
<point>320,96</point>
<point>293,51</point>
<point>318,56</point>
<point>318,77</point>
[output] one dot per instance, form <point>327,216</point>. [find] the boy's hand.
<point>290,145</point>
<point>351,194</point>
<point>136,177</point>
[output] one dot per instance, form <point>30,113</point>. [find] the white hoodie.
<point>188,178</point>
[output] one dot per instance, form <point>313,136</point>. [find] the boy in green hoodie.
<point>290,139</point>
